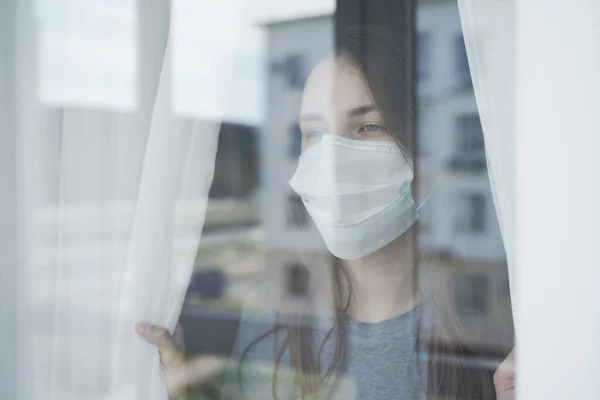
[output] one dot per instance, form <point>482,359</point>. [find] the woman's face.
<point>337,101</point>
<point>355,192</point>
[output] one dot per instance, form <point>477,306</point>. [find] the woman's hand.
<point>172,355</point>
<point>504,378</point>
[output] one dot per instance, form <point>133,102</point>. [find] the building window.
<point>471,295</point>
<point>469,146</point>
<point>236,162</point>
<point>461,63</point>
<point>294,70</point>
<point>296,215</point>
<point>295,140</point>
<point>472,213</point>
<point>425,132</point>
<point>298,280</point>
<point>424,62</point>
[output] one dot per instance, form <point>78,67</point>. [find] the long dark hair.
<point>384,70</point>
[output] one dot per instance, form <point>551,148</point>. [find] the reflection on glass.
<point>309,276</point>
<point>460,246</point>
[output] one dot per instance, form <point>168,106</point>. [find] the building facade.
<point>458,219</point>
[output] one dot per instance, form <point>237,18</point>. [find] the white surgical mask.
<point>357,193</point>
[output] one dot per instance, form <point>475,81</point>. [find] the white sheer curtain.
<point>110,208</point>
<point>536,72</point>
<point>488,29</point>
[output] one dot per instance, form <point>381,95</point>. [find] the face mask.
<point>357,193</point>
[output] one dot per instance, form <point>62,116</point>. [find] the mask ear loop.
<point>424,202</point>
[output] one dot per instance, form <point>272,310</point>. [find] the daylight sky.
<point>87,53</point>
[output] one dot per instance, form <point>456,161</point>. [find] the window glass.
<point>461,62</point>
<point>349,209</point>
<point>295,138</point>
<point>471,295</point>
<point>424,66</point>
<point>472,213</point>
<point>462,255</point>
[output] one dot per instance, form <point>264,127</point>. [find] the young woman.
<point>359,335</point>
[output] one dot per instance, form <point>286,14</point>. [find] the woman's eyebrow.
<point>361,110</point>
<point>350,113</point>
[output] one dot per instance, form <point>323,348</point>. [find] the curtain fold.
<point>111,207</point>
<point>489,33</point>
<point>536,72</point>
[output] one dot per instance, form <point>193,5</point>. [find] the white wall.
<point>557,64</point>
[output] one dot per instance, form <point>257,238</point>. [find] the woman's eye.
<point>372,127</point>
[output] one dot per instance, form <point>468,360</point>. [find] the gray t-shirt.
<point>383,360</point>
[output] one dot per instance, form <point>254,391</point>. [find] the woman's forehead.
<point>332,87</point>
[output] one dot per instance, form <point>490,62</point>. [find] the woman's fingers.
<point>504,378</point>
<point>171,355</point>
<point>178,337</point>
